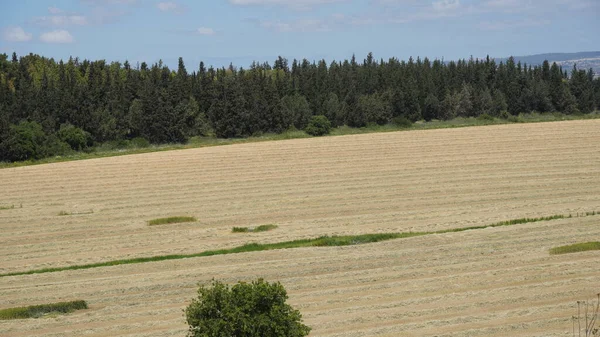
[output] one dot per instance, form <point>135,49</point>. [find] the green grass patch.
<point>65,213</point>
<point>506,223</point>
<point>323,241</point>
<point>173,219</point>
<point>261,228</point>
<point>575,248</point>
<point>264,228</point>
<point>3,207</point>
<point>35,311</point>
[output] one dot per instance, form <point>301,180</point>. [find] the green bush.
<point>56,147</point>
<point>516,119</point>
<point>139,142</point>
<point>402,122</point>
<point>74,136</point>
<point>505,114</point>
<point>373,108</point>
<point>256,309</point>
<point>485,117</point>
<point>318,126</point>
<point>24,141</point>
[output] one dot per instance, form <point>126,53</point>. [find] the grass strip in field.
<point>323,241</point>
<point>5,207</point>
<point>35,311</point>
<point>575,248</point>
<point>261,228</point>
<point>511,223</point>
<point>173,219</point>
<point>65,213</point>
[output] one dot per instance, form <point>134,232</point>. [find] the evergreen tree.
<point>483,103</point>
<point>499,105</point>
<point>136,118</point>
<point>431,108</point>
<point>370,109</point>
<point>295,111</point>
<point>332,109</point>
<point>582,89</point>
<point>228,111</point>
<point>450,106</point>
<point>465,103</point>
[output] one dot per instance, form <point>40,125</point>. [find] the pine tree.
<point>331,109</point>
<point>499,106</point>
<point>431,108</point>
<point>228,111</point>
<point>450,106</point>
<point>465,105</point>
<point>295,111</point>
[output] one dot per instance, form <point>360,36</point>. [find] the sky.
<point>220,32</point>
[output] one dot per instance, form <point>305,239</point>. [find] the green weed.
<point>35,311</point>
<point>170,220</point>
<point>575,248</point>
<point>261,228</point>
<point>65,213</point>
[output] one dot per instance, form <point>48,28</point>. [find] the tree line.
<point>50,108</point>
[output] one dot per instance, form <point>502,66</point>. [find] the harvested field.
<point>490,282</point>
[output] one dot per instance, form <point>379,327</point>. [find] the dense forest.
<point>51,108</point>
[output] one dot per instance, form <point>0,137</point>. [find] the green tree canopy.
<point>318,126</point>
<point>256,309</point>
<point>295,111</point>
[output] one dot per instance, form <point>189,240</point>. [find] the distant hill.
<point>584,60</point>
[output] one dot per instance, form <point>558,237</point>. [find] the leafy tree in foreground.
<point>256,309</point>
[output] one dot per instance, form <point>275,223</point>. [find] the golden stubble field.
<point>490,282</point>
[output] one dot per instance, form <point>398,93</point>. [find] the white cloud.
<point>505,25</point>
<point>293,4</point>
<point>205,31</point>
<point>521,6</point>
<point>55,10</point>
<point>304,25</point>
<point>167,6</point>
<point>61,20</point>
<point>57,36</point>
<point>110,2</point>
<point>445,5</point>
<point>16,34</point>
<point>109,11</point>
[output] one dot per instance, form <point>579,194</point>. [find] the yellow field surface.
<point>490,282</point>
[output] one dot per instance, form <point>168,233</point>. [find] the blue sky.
<point>240,31</point>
